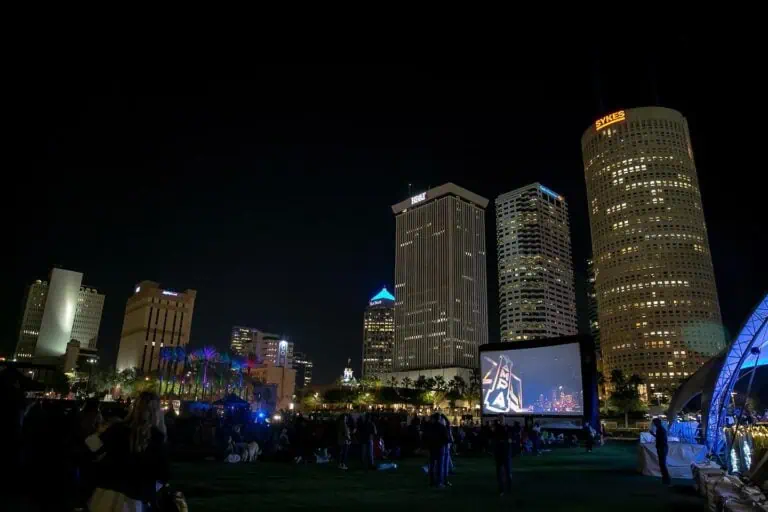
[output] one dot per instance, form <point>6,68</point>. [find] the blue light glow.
<point>261,415</point>
<point>383,294</point>
<point>754,334</point>
<point>549,192</point>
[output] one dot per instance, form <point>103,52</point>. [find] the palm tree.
<point>475,386</point>
<point>458,386</point>
<point>430,384</point>
<point>440,383</point>
<point>181,357</point>
<point>194,359</point>
<point>236,365</point>
<point>225,376</point>
<point>421,382</point>
<point>407,382</point>
<point>617,378</point>
<point>165,359</point>
<point>207,355</point>
<point>392,382</point>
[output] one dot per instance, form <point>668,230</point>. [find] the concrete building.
<point>441,305</point>
<point>267,347</point>
<point>533,249</point>
<point>378,334</point>
<point>658,310</point>
<point>56,312</point>
<point>281,376</point>
<point>303,366</point>
<point>154,318</point>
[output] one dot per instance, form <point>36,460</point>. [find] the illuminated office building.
<point>303,367</point>
<point>533,248</point>
<point>658,310</point>
<point>266,347</point>
<point>56,312</point>
<point>241,337</point>
<point>441,305</point>
<point>154,318</point>
<point>378,334</point>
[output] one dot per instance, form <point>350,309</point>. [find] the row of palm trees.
<point>457,385</point>
<point>185,372</point>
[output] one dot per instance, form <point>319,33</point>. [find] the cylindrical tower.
<point>658,310</point>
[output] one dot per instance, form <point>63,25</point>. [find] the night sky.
<point>271,197</point>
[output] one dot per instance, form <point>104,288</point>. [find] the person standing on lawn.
<point>344,438</point>
<point>662,449</point>
<point>502,454</point>
<point>436,440</point>
<point>367,435</point>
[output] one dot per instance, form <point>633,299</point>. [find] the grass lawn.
<point>565,479</point>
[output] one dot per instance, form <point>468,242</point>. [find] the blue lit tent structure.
<point>715,380</point>
<point>744,352</point>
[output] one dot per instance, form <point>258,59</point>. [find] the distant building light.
<point>173,294</point>
<point>550,192</point>
<point>138,289</point>
<point>382,295</point>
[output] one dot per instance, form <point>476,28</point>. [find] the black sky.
<point>271,196</point>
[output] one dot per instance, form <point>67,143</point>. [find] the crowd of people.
<point>91,452</point>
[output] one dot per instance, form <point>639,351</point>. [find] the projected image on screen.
<point>542,380</point>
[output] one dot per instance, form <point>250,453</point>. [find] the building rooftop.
<point>383,295</point>
<point>447,189</point>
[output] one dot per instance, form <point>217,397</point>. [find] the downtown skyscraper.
<point>378,334</point>
<point>533,247</point>
<point>154,318</point>
<point>56,312</point>
<point>441,298</point>
<point>658,310</point>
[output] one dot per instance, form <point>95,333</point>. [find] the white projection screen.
<point>544,380</point>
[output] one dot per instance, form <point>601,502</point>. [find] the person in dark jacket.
<point>502,454</point>
<point>344,439</point>
<point>368,434</point>
<point>662,449</point>
<point>447,460</point>
<point>436,437</point>
<point>132,453</point>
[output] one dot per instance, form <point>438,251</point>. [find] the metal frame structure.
<point>751,338</point>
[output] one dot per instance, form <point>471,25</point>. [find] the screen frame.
<point>588,374</point>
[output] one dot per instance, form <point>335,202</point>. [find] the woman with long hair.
<point>132,458</point>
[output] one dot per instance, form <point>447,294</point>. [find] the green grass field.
<point>565,479</point>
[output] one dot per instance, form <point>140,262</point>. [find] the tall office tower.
<point>241,337</point>
<point>533,246</point>
<point>56,312</point>
<point>657,303</point>
<point>441,305</point>
<point>594,323</point>
<point>378,334</point>
<point>303,367</point>
<point>154,318</point>
<point>268,348</point>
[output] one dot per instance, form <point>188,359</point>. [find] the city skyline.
<point>279,214</point>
